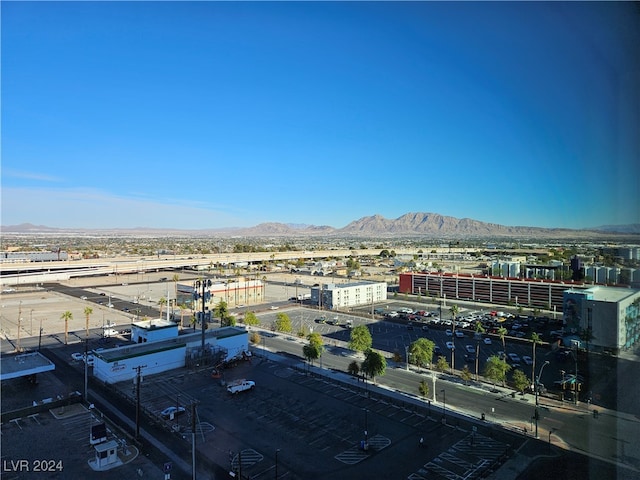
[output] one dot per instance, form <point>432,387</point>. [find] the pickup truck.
<point>240,386</point>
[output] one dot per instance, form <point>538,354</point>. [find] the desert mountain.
<point>431,225</point>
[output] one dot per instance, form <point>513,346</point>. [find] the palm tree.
<point>87,311</point>
<point>535,339</point>
<point>175,279</point>
<point>66,316</point>
<point>162,302</point>
<point>182,308</point>
<point>454,313</point>
<point>501,333</point>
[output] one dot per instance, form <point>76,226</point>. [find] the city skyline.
<point>211,115</point>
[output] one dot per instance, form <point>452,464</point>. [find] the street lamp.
<point>406,350</point>
<point>366,427</point>
<point>536,415</point>
<point>444,406</point>
<point>575,382</point>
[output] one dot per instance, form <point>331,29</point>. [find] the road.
<point>608,437</point>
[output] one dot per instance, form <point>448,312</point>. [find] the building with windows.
<point>527,292</point>
<point>160,348</point>
<point>340,296</point>
<point>608,318</point>
<point>237,291</point>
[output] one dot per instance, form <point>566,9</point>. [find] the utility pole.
<point>137,369</point>
<point>193,441</point>
<point>86,368</point>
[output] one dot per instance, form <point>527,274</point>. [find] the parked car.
<point>514,357</point>
<point>448,332</point>
<point>240,386</point>
<point>459,334</point>
<point>487,341</point>
<point>169,411</point>
<point>470,349</point>
<point>77,356</point>
<point>450,346</point>
<point>527,360</point>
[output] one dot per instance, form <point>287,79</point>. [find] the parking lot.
<point>316,425</point>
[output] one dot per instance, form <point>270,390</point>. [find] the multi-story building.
<point>610,314</point>
<point>345,295</point>
<point>606,317</point>
<point>528,292</point>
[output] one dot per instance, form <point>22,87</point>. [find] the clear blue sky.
<point>229,114</point>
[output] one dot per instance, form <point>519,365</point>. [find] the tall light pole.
<point>444,406</point>
<point>366,428</point>
<point>204,284</point>
<point>536,414</point>
<point>575,382</point>
<point>406,351</point>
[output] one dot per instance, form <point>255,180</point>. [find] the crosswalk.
<point>245,458</point>
<point>358,453</point>
<point>471,457</point>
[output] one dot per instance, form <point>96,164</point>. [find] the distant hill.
<point>411,224</point>
<point>633,228</point>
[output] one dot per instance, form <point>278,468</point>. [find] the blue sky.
<point>230,114</point>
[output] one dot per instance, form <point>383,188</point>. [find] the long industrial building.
<point>610,314</point>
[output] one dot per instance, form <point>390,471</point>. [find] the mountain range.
<point>408,225</point>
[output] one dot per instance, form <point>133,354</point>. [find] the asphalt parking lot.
<point>316,426</point>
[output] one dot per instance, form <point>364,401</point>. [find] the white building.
<point>345,295</point>
<point>611,314</point>
<point>162,349</point>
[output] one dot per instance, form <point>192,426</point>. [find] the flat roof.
<point>23,364</point>
<point>331,286</point>
<point>146,348</point>
<point>611,294</point>
<point>606,294</point>
<point>155,324</point>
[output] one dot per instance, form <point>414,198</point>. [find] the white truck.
<point>240,386</point>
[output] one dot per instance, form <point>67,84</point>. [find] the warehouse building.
<point>159,347</point>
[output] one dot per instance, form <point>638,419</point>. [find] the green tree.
<point>502,332</point>
<point>353,368</point>
<point>520,380</point>
<point>360,340</point>
<point>283,323</point>
<point>442,364</point>
<point>374,364</point>
<point>423,388</point>
<point>251,319</point>
<point>479,328</point>
<point>87,313</point>
<point>66,316</point>
<point>465,375</point>
<point>313,350</point>
<point>496,369</point>
<point>221,310</point>
<point>421,352</point>
<point>455,310</point>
